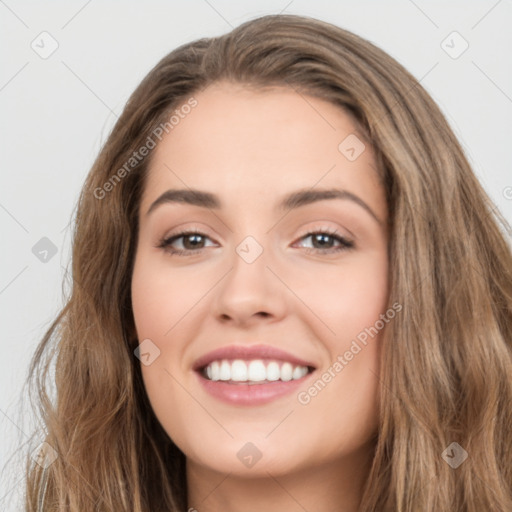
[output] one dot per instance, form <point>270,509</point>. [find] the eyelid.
<point>188,230</point>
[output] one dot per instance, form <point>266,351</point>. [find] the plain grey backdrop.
<point>67,69</point>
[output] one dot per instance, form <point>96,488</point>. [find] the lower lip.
<point>250,394</point>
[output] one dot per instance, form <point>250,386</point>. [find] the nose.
<point>250,292</point>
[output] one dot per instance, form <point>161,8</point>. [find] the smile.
<point>251,375</point>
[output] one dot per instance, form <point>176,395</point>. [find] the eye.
<point>193,242</point>
<point>324,239</point>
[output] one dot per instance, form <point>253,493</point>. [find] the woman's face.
<point>262,274</point>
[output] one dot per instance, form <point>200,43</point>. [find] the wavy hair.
<point>446,367</point>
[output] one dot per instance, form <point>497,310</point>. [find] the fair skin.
<point>251,148</point>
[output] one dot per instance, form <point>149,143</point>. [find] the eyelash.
<point>165,243</point>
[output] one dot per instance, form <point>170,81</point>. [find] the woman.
<point>289,292</point>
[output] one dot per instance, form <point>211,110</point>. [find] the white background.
<point>57,112</point>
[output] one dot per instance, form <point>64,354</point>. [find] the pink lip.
<point>250,394</point>
<point>248,352</point>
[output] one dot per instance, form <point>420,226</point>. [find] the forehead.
<point>248,145</point>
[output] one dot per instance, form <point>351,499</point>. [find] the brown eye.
<point>191,242</point>
<point>323,242</point>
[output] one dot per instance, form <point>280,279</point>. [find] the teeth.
<point>253,371</point>
<point>238,371</point>
<point>225,371</point>
<point>256,371</point>
<point>273,371</point>
<point>286,371</point>
<point>214,370</point>
<point>297,373</point>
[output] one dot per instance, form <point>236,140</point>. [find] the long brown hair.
<point>446,369</point>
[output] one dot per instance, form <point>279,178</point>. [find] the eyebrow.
<point>289,202</point>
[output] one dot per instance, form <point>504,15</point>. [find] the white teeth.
<point>273,371</point>
<point>238,370</point>
<point>297,373</point>
<point>257,371</point>
<point>253,371</point>
<point>225,371</point>
<point>286,371</point>
<point>215,370</point>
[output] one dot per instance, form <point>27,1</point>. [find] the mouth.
<point>251,375</point>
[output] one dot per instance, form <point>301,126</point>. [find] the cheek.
<point>167,310</point>
<point>346,298</point>
<point>160,298</point>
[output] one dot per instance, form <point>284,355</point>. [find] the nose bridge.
<point>250,249</point>
<point>251,236</point>
<point>250,287</point>
<point>250,275</point>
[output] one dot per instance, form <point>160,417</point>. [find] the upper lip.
<point>248,352</point>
